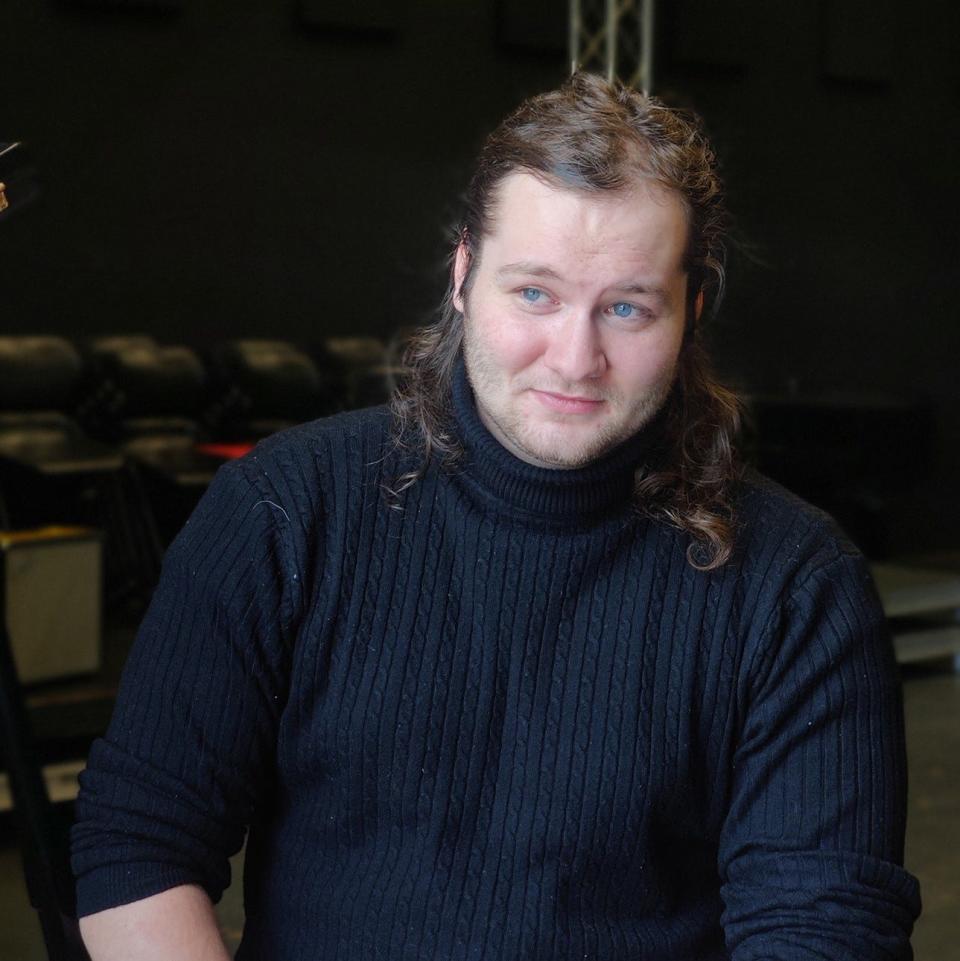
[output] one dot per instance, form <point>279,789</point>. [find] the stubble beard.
<point>554,446</point>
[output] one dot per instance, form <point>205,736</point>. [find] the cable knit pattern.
<point>508,721</point>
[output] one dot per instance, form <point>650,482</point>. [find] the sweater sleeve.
<point>811,850</point>
<point>168,792</point>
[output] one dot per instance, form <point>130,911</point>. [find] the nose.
<point>575,352</point>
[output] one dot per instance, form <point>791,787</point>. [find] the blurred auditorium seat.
<point>260,387</point>
<point>52,472</point>
<point>46,461</point>
<point>149,399</point>
<point>365,370</point>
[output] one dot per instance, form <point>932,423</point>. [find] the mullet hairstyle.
<point>593,136</point>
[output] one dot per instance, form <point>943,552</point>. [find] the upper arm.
<point>168,792</point>
<point>812,845</point>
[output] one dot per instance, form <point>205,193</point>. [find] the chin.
<point>566,453</point>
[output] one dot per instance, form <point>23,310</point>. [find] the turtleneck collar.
<point>514,486</point>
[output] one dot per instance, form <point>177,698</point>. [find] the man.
<point>524,667</point>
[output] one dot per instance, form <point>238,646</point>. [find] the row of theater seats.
<point>124,434</point>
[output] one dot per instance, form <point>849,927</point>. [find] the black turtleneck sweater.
<point>508,721</point>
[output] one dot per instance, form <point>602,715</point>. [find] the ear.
<point>461,264</point>
<point>698,306</point>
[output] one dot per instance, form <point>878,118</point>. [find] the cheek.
<point>646,365</point>
<point>516,346</point>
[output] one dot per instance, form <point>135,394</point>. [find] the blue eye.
<point>623,310</point>
<point>531,294</point>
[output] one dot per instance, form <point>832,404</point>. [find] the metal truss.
<point>613,37</point>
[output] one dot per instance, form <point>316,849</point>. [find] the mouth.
<point>567,403</point>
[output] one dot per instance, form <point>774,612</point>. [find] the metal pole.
<point>646,46</point>
<point>573,36</point>
<point>611,39</point>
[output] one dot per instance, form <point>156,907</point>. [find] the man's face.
<point>575,317</point>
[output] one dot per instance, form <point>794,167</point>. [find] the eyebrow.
<point>529,268</point>
<point>650,290</point>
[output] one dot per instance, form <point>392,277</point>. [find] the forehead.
<point>641,229</point>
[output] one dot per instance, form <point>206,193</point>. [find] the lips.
<point>567,404</point>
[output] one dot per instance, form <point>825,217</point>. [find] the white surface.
<point>61,783</point>
<point>53,597</point>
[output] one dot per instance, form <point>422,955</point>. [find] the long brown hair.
<point>591,136</point>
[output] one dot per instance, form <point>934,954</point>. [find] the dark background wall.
<point>223,171</point>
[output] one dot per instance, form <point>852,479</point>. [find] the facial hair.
<point>497,398</point>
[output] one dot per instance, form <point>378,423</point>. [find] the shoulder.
<point>774,522</point>
<point>305,442</point>
<point>271,508</point>
<point>792,557</point>
<point>287,478</point>
<point>302,457</point>
<point>802,570</point>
